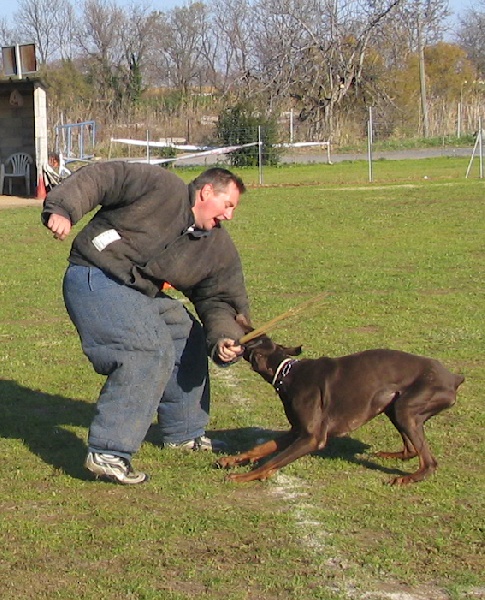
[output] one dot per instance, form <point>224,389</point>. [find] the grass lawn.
<point>402,261</point>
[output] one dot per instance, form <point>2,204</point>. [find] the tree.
<point>471,36</point>
<point>177,57</point>
<point>137,36</point>
<point>69,91</point>
<point>228,46</point>
<point>7,34</point>
<point>447,71</point>
<point>66,31</point>
<point>100,38</point>
<point>314,53</point>
<point>423,19</point>
<point>38,21</point>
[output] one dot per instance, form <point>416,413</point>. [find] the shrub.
<point>241,124</point>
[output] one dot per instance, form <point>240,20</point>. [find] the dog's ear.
<point>244,323</point>
<point>293,350</point>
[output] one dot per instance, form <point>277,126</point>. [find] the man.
<point>56,162</point>
<point>151,228</point>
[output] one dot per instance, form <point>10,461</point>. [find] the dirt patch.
<point>17,201</point>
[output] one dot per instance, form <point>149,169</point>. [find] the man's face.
<point>212,206</point>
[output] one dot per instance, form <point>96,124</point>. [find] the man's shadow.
<point>41,422</point>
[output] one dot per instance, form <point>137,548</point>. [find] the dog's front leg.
<point>276,445</point>
<point>297,449</point>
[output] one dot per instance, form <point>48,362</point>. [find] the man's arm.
<point>218,299</point>
<point>98,184</point>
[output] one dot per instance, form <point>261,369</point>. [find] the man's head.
<point>217,193</point>
<point>53,159</point>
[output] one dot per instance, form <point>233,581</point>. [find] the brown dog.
<point>330,397</point>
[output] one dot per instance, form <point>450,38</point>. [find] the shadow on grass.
<point>39,420</point>
<point>342,448</point>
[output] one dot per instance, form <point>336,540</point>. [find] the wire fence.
<point>255,148</point>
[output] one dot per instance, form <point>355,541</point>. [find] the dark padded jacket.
<point>142,235</point>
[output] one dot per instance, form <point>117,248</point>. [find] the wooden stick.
<point>270,324</point>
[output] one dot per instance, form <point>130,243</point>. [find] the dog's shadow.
<point>42,422</point>
<point>337,448</point>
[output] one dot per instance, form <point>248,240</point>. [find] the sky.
<point>8,8</point>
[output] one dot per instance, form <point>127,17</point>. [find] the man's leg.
<point>125,339</point>
<point>183,412</point>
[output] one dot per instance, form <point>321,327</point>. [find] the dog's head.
<point>263,354</point>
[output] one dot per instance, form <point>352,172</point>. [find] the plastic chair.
<point>17,166</point>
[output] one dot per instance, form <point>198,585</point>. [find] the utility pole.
<point>422,76</point>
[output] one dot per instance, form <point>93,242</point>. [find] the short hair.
<point>219,178</point>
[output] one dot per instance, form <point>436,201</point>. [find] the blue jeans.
<point>153,353</point>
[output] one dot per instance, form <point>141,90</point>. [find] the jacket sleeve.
<point>84,190</point>
<point>106,184</point>
<point>220,297</point>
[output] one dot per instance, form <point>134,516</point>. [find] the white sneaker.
<point>201,443</point>
<point>113,468</point>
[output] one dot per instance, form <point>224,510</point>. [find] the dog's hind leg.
<point>408,450</point>
<point>411,411</point>
<point>427,462</point>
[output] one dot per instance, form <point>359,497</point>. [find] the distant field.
<point>402,261</point>
<point>353,172</point>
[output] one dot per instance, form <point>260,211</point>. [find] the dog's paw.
<point>403,480</point>
<point>226,462</point>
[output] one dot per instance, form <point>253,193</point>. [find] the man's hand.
<point>228,350</point>
<point>60,226</point>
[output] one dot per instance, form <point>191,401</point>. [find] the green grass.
<point>450,141</point>
<point>386,172</point>
<point>403,264</point>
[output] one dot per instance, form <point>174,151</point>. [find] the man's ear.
<point>206,190</point>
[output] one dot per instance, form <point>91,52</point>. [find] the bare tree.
<point>471,36</point>
<point>313,51</point>
<point>37,21</point>
<point>424,18</point>
<point>99,31</point>
<point>99,39</point>
<point>158,65</point>
<point>232,42</point>
<point>138,35</point>
<point>178,56</point>
<point>7,34</point>
<point>65,31</point>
